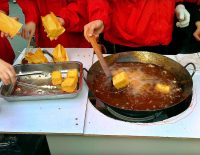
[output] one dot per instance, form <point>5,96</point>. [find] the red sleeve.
<point>75,15</point>
<point>99,9</point>
<point>29,9</point>
<point>4,6</point>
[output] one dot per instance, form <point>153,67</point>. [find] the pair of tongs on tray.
<point>34,86</point>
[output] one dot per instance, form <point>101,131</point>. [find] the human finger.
<point>196,35</point>
<point>25,33</point>
<point>2,35</point>
<point>86,32</point>
<point>31,32</point>
<point>12,76</point>
<point>5,78</point>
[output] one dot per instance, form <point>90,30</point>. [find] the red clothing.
<point>135,23</point>
<point>72,11</point>
<point>6,51</point>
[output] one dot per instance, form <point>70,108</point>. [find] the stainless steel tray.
<point>40,75</point>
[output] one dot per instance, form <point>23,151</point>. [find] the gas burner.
<point>152,117</point>
<point>135,119</point>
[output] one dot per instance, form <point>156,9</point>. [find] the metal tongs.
<point>29,73</point>
<point>34,86</point>
<point>48,53</point>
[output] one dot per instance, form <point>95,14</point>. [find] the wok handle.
<point>97,50</point>
<point>194,67</point>
<point>84,76</point>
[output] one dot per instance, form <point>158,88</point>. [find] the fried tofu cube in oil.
<point>162,88</point>
<point>120,80</point>
<point>69,85</point>
<point>56,77</point>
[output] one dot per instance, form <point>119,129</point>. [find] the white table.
<point>74,126</point>
<point>49,117</point>
<point>177,135</point>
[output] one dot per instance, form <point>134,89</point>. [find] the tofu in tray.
<point>45,81</point>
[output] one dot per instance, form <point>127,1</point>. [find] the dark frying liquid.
<point>141,93</point>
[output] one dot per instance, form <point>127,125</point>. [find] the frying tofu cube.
<point>162,88</point>
<point>69,85</point>
<point>120,80</point>
<point>56,77</point>
<point>73,73</point>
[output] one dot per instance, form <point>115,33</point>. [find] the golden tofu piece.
<point>40,56</point>
<point>73,73</point>
<point>162,88</point>
<point>120,80</point>
<point>69,85</point>
<point>60,54</point>
<point>9,25</point>
<point>36,58</point>
<point>56,77</point>
<point>52,26</point>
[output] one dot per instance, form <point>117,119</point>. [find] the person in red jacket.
<point>7,55</point>
<point>72,15</point>
<point>135,24</point>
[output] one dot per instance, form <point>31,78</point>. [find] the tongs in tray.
<point>45,87</point>
<point>48,88</point>
<point>29,73</point>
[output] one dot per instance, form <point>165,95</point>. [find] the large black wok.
<point>181,74</point>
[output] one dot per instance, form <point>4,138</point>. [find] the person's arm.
<point>99,16</point>
<point>4,7</point>
<point>74,15</point>
<point>99,10</point>
<point>31,17</point>
<point>30,10</point>
<point>7,72</point>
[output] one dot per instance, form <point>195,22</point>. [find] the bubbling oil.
<point>140,94</point>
